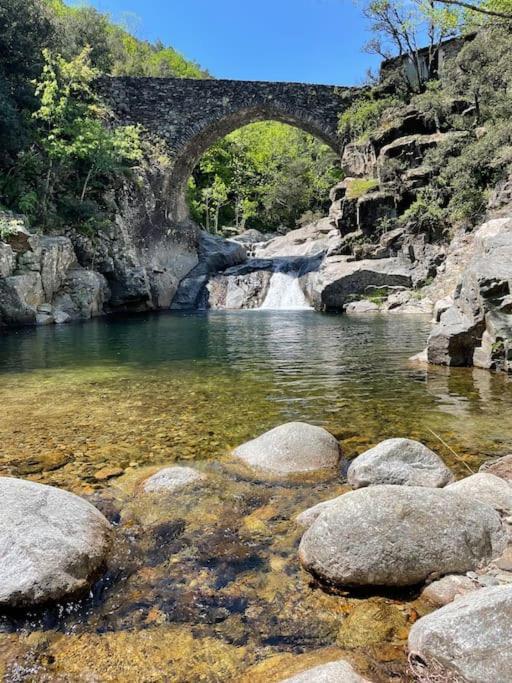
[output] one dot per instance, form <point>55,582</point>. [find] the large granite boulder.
<point>333,672</point>
<point>7,260</point>
<point>486,488</point>
<point>51,542</point>
<point>341,279</point>
<point>20,295</point>
<point>399,461</point>
<point>309,241</point>
<point>469,639</point>
<point>57,257</point>
<point>399,536</point>
<point>477,328</point>
<point>83,295</point>
<point>171,479</point>
<point>293,447</point>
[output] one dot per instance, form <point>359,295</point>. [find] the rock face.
<point>340,279</point>
<point>51,542</point>
<point>291,448</point>
<point>171,479</point>
<point>401,462</point>
<point>469,638</point>
<point>477,328</point>
<point>333,672</point>
<point>486,488</point>
<point>399,536</point>
<point>215,254</point>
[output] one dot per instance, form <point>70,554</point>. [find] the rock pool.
<point>205,585</point>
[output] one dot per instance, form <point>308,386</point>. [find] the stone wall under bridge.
<point>190,115</point>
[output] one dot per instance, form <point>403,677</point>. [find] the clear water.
<point>206,586</point>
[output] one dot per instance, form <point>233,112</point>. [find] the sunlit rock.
<point>487,488</point>
<point>401,462</point>
<point>291,448</point>
<point>51,542</point>
<point>399,536</point>
<point>448,589</point>
<point>469,638</point>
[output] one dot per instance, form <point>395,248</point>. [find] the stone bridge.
<point>190,115</point>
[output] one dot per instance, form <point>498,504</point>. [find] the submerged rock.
<point>333,672</point>
<point>486,488</point>
<point>399,536</point>
<point>171,479</point>
<point>291,448</point>
<point>469,638</point>
<point>51,542</point>
<point>399,461</point>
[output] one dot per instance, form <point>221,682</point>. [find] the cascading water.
<point>285,293</point>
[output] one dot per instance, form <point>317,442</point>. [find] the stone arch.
<point>205,136</point>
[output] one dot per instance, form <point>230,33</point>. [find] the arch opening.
<point>304,136</point>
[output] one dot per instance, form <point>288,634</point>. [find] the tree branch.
<point>475,8</point>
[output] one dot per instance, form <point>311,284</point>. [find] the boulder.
<point>486,488</point>
<point>57,256</point>
<point>333,672</point>
<point>51,542</point>
<point>20,295</point>
<point>291,448</point>
<point>372,208</point>
<point>362,306</point>
<point>309,241</point>
<point>171,479</point>
<point>447,589</point>
<point>477,328</point>
<point>340,279</point>
<point>399,461</point>
<point>359,160</point>
<point>399,536</point>
<point>83,294</point>
<point>500,468</point>
<point>468,639</point>
<point>239,287</point>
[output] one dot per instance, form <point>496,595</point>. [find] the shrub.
<point>364,116</point>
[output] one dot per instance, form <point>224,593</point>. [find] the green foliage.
<point>364,116</point>
<point>266,175</point>
<point>357,187</point>
<point>426,216</point>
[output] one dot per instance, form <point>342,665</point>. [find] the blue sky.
<point>316,41</point>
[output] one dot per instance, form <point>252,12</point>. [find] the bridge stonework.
<point>190,115</point>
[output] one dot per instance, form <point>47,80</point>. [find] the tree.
<point>498,9</point>
<point>401,27</point>
<point>76,140</point>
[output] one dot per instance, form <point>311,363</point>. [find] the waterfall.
<point>284,293</point>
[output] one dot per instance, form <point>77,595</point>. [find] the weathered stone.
<point>359,160</point>
<point>20,295</point>
<point>447,589</point>
<point>469,638</point>
<point>362,306</point>
<point>477,328</point>
<point>309,241</point>
<point>291,447</point>
<point>333,672</point>
<point>57,256</point>
<point>51,542</point>
<point>372,208</point>
<point>83,294</point>
<point>340,279</point>
<point>236,289</point>
<point>486,488</point>
<point>215,254</point>
<point>399,536</point>
<point>401,462</point>
<point>500,468</point>
<point>171,479</point>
